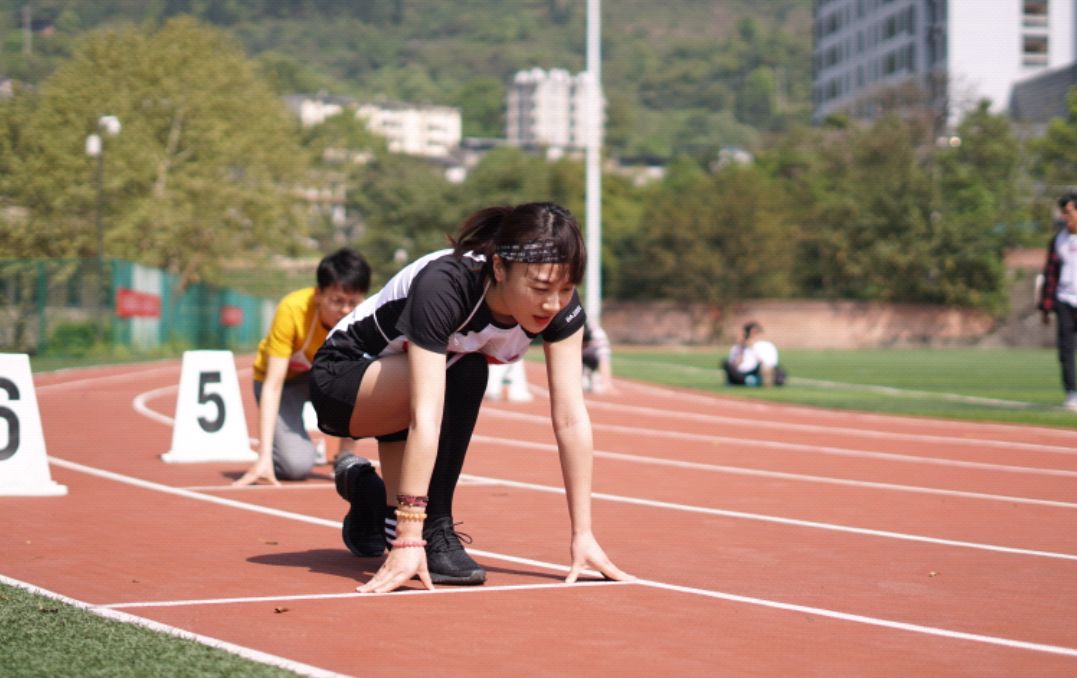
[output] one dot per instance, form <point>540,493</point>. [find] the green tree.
<point>205,166</point>
<point>756,103</point>
<point>883,214</point>
<point>1056,151</point>
<point>713,239</point>
<point>507,176</point>
<point>481,101</point>
<point>404,206</point>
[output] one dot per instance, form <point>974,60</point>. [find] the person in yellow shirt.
<point>282,365</point>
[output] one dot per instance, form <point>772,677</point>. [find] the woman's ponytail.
<point>478,233</point>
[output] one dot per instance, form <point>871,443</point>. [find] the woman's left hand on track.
<point>587,553</point>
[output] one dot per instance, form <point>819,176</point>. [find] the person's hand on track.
<point>586,553</point>
<point>259,472</point>
<point>402,564</point>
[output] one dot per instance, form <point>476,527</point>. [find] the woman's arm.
<point>268,409</point>
<point>571,426</point>
<point>426,376</point>
<point>575,446</point>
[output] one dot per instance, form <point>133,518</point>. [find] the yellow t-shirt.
<point>295,317</point>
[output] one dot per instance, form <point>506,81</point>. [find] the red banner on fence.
<point>134,304</point>
<point>231,316</point>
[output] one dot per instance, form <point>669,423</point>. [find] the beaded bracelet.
<point>408,543</point>
<point>413,501</point>
<point>417,516</point>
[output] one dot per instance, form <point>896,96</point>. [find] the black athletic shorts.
<point>333,387</point>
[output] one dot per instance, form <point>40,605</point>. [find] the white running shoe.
<point>520,396</point>
<point>1071,402</point>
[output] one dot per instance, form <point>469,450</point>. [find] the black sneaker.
<point>446,558</point>
<point>360,485</point>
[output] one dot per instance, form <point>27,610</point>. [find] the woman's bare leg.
<point>383,403</point>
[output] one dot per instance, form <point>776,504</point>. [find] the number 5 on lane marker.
<point>210,424</point>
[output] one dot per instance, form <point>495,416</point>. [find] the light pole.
<point>593,163</point>
<point>95,148</point>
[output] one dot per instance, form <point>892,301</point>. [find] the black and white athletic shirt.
<point>436,302</point>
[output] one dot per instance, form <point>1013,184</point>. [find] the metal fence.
<point>73,306</point>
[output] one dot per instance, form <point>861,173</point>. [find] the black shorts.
<point>333,386</point>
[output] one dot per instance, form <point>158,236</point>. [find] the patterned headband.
<point>533,252</point>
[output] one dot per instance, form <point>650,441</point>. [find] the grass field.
<point>1003,385</point>
<point>41,636</point>
<point>44,637</point>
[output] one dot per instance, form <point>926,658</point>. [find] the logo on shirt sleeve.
<point>575,312</point>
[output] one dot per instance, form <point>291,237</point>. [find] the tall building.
<point>428,131</point>
<point>940,55</point>
<point>554,109</point>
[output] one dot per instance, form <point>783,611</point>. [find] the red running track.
<point>769,540</point>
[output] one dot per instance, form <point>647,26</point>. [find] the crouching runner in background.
<point>282,366</point>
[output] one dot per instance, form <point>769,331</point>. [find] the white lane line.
<point>261,487</point>
<point>869,388</point>
<point>126,618</point>
<point>124,376</point>
<point>707,593</point>
<point>871,621</point>
<point>139,403</point>
<point>307,670</point>
<point>438,591</point>
<point>187,494</point>
<point>763,406</point>
<point>750,516</point>
<point>794,522</point>
<point>696,466</point>
<point>309,485</point>
<point>552,489</point>
<point>819,428</point>
<point>792,447</point>
<point>862,619</point>
<point>140,406</point>
<point>781,475</point>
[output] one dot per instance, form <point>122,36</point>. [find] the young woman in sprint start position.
<point>409,367</point>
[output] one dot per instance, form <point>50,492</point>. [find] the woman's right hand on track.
<point>401,565</point>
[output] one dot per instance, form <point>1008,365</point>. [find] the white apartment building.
<point>947,54</point>
<point>428,131</point>
<point>314,110</point>
<point>555,109</point>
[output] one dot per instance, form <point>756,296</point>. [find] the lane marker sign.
<point>24,466</point>
<point>210,424</point>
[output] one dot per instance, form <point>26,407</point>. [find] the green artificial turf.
<point>1003,385</point>
<point>44,637</point>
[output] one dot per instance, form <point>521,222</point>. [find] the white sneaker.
<point>319,453</point>
<point>1070,403</point>
<point>520,397</point>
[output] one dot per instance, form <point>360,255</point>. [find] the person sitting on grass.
<point>282,366</point>
<point>753,361</point>
<point>409,367</point>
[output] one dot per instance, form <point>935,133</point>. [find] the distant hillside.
<point>680,75</point>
